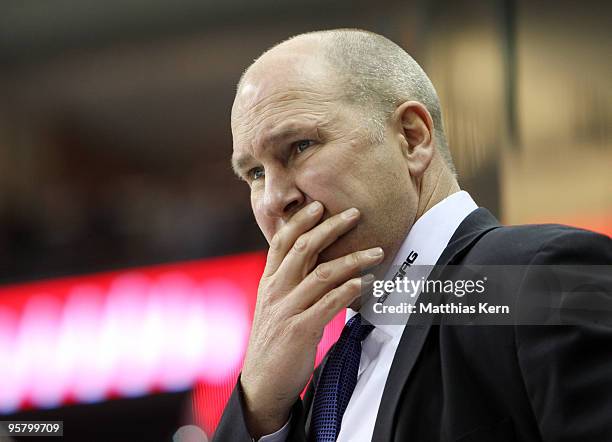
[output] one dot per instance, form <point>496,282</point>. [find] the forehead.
<point>290,92</point>
<point>281,77</point>
<point>293,103</point>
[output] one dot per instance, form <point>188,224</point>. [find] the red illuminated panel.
<point>130,333</point>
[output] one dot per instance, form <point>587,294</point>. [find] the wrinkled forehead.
<point>278,88</point>
<point>282,76</point>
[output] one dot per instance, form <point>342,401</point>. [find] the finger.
<point>303,255</point>
<point>332,274</point>
<point>326,308</point>
<point>304,220</point>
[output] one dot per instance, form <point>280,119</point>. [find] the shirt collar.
<point>428,237</point>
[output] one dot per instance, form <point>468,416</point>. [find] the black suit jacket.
<point>501,383</point>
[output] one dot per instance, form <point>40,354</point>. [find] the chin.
<point>343,246</point>
<point>337,250</point>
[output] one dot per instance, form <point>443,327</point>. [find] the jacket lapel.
<point>477,223</point>
<point>471,229</point>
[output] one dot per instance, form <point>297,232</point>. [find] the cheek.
<point>266,225</point>
<point>323,184</point>
<point>323,176</point>
<point>313,177</point>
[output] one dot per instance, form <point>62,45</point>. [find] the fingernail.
<point>350,213</point>
<point>314,207</point>
<point>376,252</point>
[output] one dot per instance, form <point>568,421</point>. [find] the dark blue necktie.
<point>338,381</point>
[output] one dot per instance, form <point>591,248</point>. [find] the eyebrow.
<point>240,163</point>
<point>274,137</point>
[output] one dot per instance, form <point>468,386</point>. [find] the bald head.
<point>360,68</point>
<point>294,64</point>
<point>298,55</point>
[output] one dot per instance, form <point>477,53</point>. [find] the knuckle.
<point>293,328</point>
<point>269,287</point>
<point>354,285</point>
<point>351,286</point>
<point>301,244</point>
<point>277,241</point>
<point>296,328</point>
<point>327,227</point>
<point>270,293</point>
<point>332,300</point>
<point>305,330</point>
<point>322,272</point>
<point>338,227</point>
<point>352,261</point>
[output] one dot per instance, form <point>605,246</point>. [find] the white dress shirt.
<point>428,237</point>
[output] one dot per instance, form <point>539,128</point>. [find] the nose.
<point>282,198</point>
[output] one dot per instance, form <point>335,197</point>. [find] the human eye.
<point>255,173</point>
<point>301,145</point>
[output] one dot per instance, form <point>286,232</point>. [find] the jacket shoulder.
<point>541,243</point>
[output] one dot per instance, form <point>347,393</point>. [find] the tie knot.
<point>356,329</point>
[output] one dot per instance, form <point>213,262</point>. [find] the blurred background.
<point>129,257</point>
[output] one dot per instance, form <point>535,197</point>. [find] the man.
<point>339,136</point>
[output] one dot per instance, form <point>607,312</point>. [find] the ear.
<point>415,131</point>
